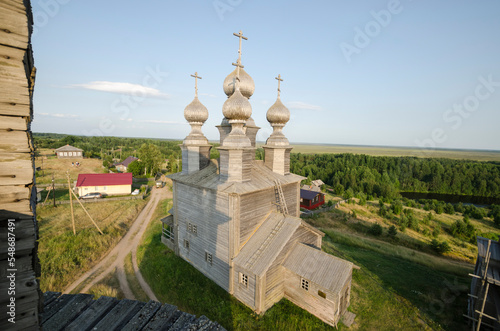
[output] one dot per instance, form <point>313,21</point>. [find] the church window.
<point>186,244</point>
<point>208,257</point>
<point>192,228</point>
<point>322,294</point>
<point>195,229</point>
<point>305,284</point>
<point>243,279</point>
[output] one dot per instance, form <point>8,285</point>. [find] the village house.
<point>69,152</point>
<point>237,219</point>
<point>122,166</point>
<point>106,184</point>
<point>311,199</point>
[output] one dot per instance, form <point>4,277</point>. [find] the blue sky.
<point>415,73</point>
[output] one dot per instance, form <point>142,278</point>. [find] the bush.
<point>354,214</point>
<point>376,230</point>
<point>463,229</point>
<point>383,210</point>
<point>329,203</point>
<point>427,219</point>
<point>437,231</point>
<point>397,207</point>
<point>392,232</point>
<point>440,247</point>
<point>448,209</point>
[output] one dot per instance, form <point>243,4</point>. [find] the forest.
<point>387,176</point>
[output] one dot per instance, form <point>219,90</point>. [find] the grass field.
<point>476,155</point>
<point>52,165</point>
<point>396,288</point>
<point>64,256</point>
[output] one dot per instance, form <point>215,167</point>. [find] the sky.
<point>413,73</point>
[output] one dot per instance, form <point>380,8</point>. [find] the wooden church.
<point>236,219</point>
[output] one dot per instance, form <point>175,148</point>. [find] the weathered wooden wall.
<point>275,276</point>
<point>17,190</point>
<point>208,211</point>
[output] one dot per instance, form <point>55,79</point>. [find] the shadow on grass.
<point>441,297</point>
<point>175,281</point>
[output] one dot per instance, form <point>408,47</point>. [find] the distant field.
<point>476,155</point>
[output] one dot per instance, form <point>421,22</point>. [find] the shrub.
<point>448,209</point>
<point>397,207</point>
<point>329,203</point>
<point>392,232</point>
<point>376,230</point>
<point>437,231</point>
<point>459,207</point>
<point>427,219</point>
<point>383,210</point>
<point>354,214</point>
<point>440,247</point>
<point>463,229</point>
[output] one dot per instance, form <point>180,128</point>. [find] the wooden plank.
<point>25,284</point>
<point>182,322</point>
<point>13,141</point>
<point>13,123</point>
<point>24,246</point>
<point>22,264</point>
<point>24,228</point>
<point>13,25</point>
<point>143,316</point>
<point>164,318</point>
<point>67,313</point>
<point>16,170</point>
<point>52,308</point>
<point>93,314</point>
<point>119,315</point>
<point>48,297</point>
<point>12,67</point>
<point>25,320</point>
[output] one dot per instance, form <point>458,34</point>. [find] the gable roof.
<point>261,178</point>
<point>321,268</point>
<point>68,148</point>
<point>267,242</point>
<point>104,179</point>
<point>308,195</point>
<point>311,188</point>
<point>127,161</point>
<point>317,182</point>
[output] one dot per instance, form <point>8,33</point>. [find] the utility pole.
<point>53,190</point>
<point>71,203</point>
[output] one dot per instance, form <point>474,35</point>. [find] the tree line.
<point>387,176</point>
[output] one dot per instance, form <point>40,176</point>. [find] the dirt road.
<point>115,259</point>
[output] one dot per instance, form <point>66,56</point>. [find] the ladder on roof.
<point>280,197</point>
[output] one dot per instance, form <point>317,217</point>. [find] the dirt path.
<point>115,259</point>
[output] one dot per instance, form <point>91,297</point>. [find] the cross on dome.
<point>279,81</point>
<point>240,36</point>
<point>196,77</point>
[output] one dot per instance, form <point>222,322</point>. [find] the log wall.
<point>17,177</point>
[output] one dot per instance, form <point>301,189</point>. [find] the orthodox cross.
<point>238,65</point>
<point>240,36</point>
<point>279,81</point>
<point>196,83</point>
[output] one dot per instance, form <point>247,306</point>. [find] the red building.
<point>310,199</point>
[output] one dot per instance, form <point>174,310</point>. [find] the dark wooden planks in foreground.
<point>80,312</point>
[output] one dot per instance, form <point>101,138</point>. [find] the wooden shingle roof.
<point>261,178</point>
<point>80,312</point>
<point>319,267</point>
<point>266,243</point>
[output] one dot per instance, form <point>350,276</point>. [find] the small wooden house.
<point>106,184</point>
<point>69,152</point>
<point>311,199</point>
<point>122,166</point>
<point>237,219</point>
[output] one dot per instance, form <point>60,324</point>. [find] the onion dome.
<point>278,113</point>
<point>237,108</point>
<point>196,112</point>
<point>247,86</point>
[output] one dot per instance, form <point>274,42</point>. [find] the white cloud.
<point>302,105</point>
<point>123,88</point>
<point>160,122</point>
<point>58,115</point>
<point>208,95</point>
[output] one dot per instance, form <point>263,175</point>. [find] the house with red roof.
<point>106,184</point>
